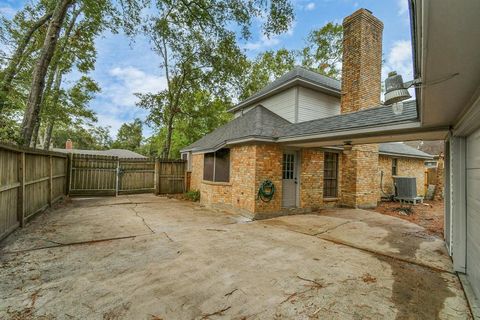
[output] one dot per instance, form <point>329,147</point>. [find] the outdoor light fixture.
<point>396,91</point>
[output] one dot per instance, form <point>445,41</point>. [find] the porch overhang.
<point>389,133</point>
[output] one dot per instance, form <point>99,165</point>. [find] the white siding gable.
<point>299,104</point>
<point>315,105</point>
<point>282,103</point>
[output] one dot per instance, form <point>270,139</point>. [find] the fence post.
<point>70,171</point>
<point>117,178</point>
<point>185,177</point>
<point>156,178</point>
<point>50,180</point>
<point>21,189</point>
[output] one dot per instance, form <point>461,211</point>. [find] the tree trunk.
<point>40,71</point>
<point>33,142</point>
<point>12,68</point>
<point>48,135</point>
<point>168,141</point>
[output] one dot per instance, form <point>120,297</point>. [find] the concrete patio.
<point>147,257</point>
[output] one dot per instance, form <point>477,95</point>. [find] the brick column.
<point>361,89</point>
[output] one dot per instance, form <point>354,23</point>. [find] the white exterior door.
<point>289,180</point>
<point>473,211</point>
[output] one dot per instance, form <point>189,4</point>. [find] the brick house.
<point>272,133</point>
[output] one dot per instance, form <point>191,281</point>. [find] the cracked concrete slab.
<point>206,264</point>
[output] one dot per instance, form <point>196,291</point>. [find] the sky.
<point>125,67</point>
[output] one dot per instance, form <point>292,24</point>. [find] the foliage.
<point>199,52</point>
<point>193,195</point>
<point>129,136</point>
<point>323,52</point>
<point>264,69</point>
<point>84,136</point>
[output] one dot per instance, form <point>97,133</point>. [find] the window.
<point>216,166</point>
<point>330,175</point>
<point>394,167</point>
<point>288,166</point>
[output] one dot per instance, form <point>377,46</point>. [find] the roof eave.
<point>405,155</point>
<point>352,131</point>
<point>242,140</point>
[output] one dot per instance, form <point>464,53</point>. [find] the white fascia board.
<point>333,135</point>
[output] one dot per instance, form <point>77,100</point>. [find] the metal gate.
<point>96,175</point>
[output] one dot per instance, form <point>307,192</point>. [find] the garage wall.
<point>473,211</point>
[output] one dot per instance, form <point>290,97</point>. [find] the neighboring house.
<point>120,153</point>
<point>435,148</point>
<point>272,134</point>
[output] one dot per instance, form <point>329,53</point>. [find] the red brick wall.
<point>242,177</point>
<point>197,172</point>
<point>269,166</point>
<point>407,167</point>
<point>311,178</point>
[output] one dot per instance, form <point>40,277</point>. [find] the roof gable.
<point>298,75</point>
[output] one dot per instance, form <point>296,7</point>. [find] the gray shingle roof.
<point>377,116</point>
<point>120,153</point>
<point>262,124</point>
<point>401,149</point>
<point>299,73</point>
<point>259,123</point>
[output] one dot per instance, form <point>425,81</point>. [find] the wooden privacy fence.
<point>106,175</point>
<point>30,181</point>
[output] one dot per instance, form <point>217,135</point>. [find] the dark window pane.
<point>208,160</point>
<point>330,174</point>
<point>394,167</point>
<point>222,165</point>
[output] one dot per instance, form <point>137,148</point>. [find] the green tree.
<point>129,136</point>
<point>323,52</point>
<point>265,68</point>
<point>85,136</point>
<point>199,51</point>
<point>54,15</point>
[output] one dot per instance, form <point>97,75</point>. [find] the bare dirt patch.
<point>428,215</point>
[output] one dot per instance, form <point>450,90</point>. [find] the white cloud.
<point>310,6</point>
<point>402,6</point>
<point>130,80</point>
<point>399,59</point>
<point>263,43</point>
<point>116,103</point>
<point>8,11</point>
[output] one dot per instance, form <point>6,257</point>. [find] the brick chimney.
<point>361,89</point>
<point>69,144</point>
<point>362,61</point>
